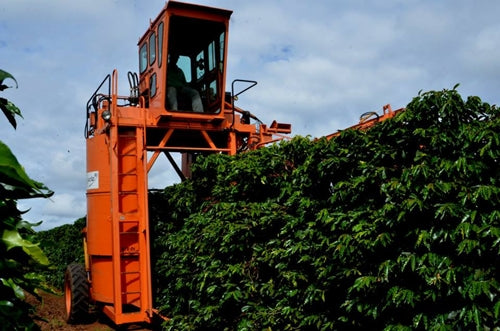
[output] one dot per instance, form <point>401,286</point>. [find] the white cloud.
<point>64,205</point>
<point>60,209</point>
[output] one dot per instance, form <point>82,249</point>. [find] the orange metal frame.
<point>369,119</point>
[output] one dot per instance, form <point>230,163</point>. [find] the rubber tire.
<point>76,294</point>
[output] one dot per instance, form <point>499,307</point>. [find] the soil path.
<point>52,310</point>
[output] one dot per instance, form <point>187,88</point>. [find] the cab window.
<point>211,56</point>
<point>160,43</point>
<point>152,48</point>
<point>200,69</point>
<point>201,46</point>
<point>143,58</point>
<point>152,85</point>
<point>221,50</point>
<point>184,63</point>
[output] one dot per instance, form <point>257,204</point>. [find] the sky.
<point>319,64</point>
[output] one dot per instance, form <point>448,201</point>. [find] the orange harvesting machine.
<point>177,104</point>
<point>126,134</point>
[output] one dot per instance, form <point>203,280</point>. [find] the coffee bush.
<point>392,228</point>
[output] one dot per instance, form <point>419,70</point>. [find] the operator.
<point>176,83</point>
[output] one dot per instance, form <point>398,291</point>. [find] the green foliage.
<point>62,245</point>
<point>394,228</point>
<point>19,256</point>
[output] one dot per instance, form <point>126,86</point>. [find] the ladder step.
<point>134,292</point>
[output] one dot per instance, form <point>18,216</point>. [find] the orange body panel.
<point>99,245</point>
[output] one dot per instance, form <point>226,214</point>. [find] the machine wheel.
<point>76,294</point>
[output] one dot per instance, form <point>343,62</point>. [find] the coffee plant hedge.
<point>393,228</point>
<point>62,245</point>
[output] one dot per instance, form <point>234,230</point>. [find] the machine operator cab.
<point>182,61</point>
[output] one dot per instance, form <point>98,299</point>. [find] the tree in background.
<point>18,254</point>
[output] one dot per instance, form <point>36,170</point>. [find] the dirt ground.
<point>52,310</point>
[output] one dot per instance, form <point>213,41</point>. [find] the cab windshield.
<point>197,48</point>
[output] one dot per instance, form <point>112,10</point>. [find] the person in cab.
<point>177,86</point>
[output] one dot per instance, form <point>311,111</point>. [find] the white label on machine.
<point>92,180</point>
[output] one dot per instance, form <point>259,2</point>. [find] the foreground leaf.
<point>14,179</point>
<point>12,238</point>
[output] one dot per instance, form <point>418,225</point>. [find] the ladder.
<point>130,229</point>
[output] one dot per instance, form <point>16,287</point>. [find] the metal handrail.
<point>233,96</point>
<point>95,100</point>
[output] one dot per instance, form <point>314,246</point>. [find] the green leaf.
<point>7,107</point>
<point>14,179</point>
<point>10,110</point>
<point>18,291</point>
<point>424,238</point>
<point>12,238</point>
<point>467,246</point>
<point>363,283</point>
<point>484,192</point>
<point>3,76</point>
<point>6,303</point>
<point>447,209</point>
<point>496,309</point>
<point>406,259</point>
<point>402,296</point>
